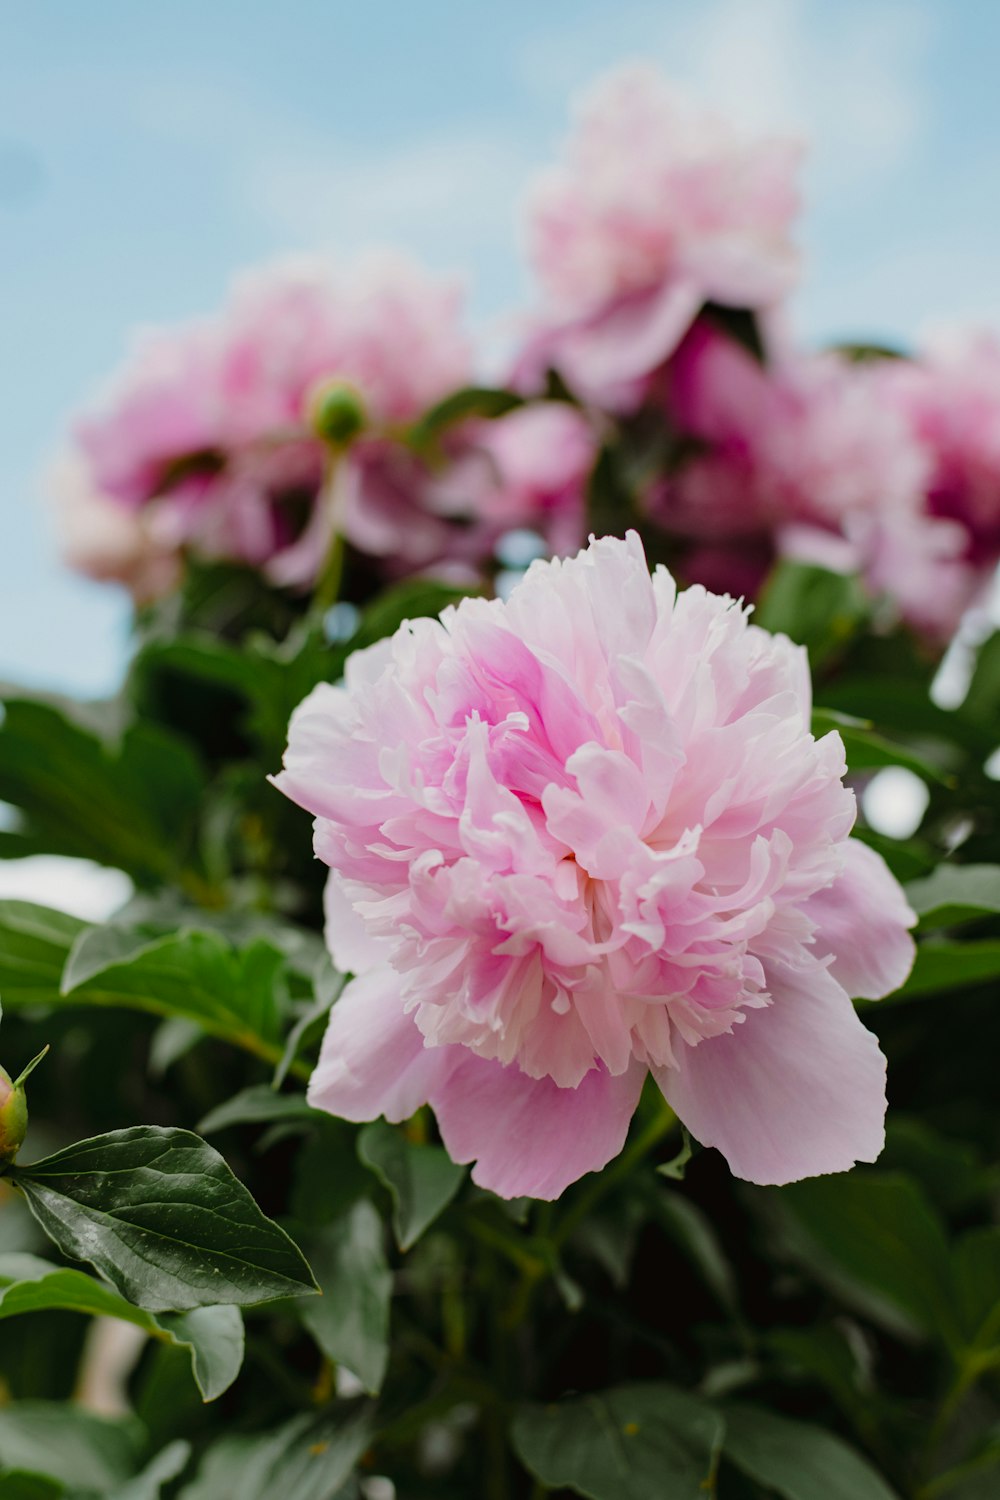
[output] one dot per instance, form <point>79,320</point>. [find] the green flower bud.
<point>14,1111</point>
<point>337,414</point>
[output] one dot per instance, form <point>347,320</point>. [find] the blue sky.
<point>146,152</point>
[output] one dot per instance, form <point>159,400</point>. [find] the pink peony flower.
<point>803,457</point>
<point>582,836</point>
<point>527,469</point>
<point>655,209</point>
<point>950,399</point>
<point>208,429</point>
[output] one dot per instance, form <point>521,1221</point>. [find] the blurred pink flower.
<point>582,836</point>
<point>208,431</point>
<point>106,541</point>
<point>526,469</point>
<point>950,398</point>
<point>803,457</point>
<point>656,208</point>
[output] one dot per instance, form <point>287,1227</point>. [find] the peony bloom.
<point>207,432</point>
<point>527,469</point>
<point>950,399</point>
<point>655,209</point>
<point>582,836</point>
<point>803,457</point>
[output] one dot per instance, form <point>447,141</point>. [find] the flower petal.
<point>351,945</point>
<point>528,1136</point>
<point>796,1090</point>
<point>374,1060</point>
<point>862,920</point>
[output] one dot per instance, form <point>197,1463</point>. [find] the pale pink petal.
<point>374,1061</point>
<point>608,358</point>
<point>862,921</point>
<point>795,1090</point>
<point>352,947</point>
<point>528,1137</point>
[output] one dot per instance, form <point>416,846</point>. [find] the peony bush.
<point>526,787</point>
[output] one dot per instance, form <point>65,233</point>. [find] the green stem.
<point>332,572</point>
<point>654,1132</point>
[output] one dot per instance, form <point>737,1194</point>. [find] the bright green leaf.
<point>816,608</point>
<point>237,994</point>
<point>35,942</point>
<point>214,1335</point>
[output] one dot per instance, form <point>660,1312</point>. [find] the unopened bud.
<point>337,414</point>
<point>14,1111</point>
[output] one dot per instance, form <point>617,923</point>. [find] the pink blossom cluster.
<point>803,455</point>
<point>205,443</point>
<point>205,440</point>
<point>656,208</point>
<point>580,837</point>
<point>949,396</point>
<point>659,234</point>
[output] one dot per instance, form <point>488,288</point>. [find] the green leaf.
<point>823,1352</point>
<point>876,1241</point>
<point>472,401</point>
<point>977,1276</point>
<point>69,1445</point>
<point>271,677</point>
<point>954,894</point>
<point>258,1105</point>
<point>18,1484</point>
<point>983,698</point>
<point>237,994</point>
<point>214,1335</point>
<point>148,1485</point>
<point>422,1179</point>
<point>160,1214</point>
<point>132,805</point>
<point>350,1322</point>
<point>902,705</point>
<point>950,1171</point>
<point>635,1442</point>
<point>866,750</point>
<point>414,599</point>
<point>941,966</point>
<point>797,1460</point>
<point>34,944</point>
<point>309,1458</point>
<point>816,608</point>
